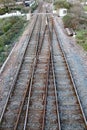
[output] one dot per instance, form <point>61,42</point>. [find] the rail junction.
<point>43,95</point>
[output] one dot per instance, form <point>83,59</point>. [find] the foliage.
<point>11,30</point>
<point>85,8</point>
<point>62,4</point>
<point>82,38</point>
<point>77,10</point>
<point>7,27</point>
<point>3,11</point>
<point>70,21</point>
<point>6,4</point>
<point>33,7</point>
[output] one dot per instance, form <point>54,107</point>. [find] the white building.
<point>62,12</point>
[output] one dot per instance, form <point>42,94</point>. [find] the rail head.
<point>30,84</point>
<point>59,126</point>
<point>70,74</point>
<point>51,56</point>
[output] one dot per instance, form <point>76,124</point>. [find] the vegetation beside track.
<point>82,38</point>
<point>77,20</point>
<point>62,4</point>
<point>80,27</point>
<point>33,7</point>
<point>10,29</point>
<point>22,8</point>
<point>85,8</point>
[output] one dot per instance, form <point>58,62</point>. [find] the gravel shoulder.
<point>77,59</point>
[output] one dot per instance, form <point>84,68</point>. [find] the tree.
<point>77,10</point>
<point>62,4</point>
<point>73,19</point>
<point>7,3</point>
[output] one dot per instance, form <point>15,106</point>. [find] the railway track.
<point>22,118</point>
<point>36,109</point>
<point>70,110</point>
<point>43,96</point>
<point>33,111</point>
<point>19,89</point>
<point>52,115</point>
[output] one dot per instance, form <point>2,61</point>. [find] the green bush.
<point>67,21</point>
<point>71,21</point>
<point>81,38</point>
<point>2,40</point>
<point>10,32</point>
<point>62,4</point>
<point>1,32</point>
<point>7,27</point>
<point>3,11</point>
<point>34,7</point>
<point>85,8</point>
<point>13,20</point>
<point>14,30</point>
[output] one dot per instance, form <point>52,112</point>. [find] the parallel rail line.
<point>19,122</point>
<point>22,124</point>
<point>70,109</point>
<point>52,113</point>
<point>22,81</point>
<point>43,95</point>
<point>11,89</point>
<point>36,98</point>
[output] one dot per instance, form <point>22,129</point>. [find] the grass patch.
<point>82,38</point>
<point>11,31</point>
<point>85,8</point>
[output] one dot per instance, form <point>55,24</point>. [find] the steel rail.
<point>28,85</point>
<point>51,39</point>
<point>70,74</point>
<point>59,126</point>
<point>27,110</point>
<point>44,113</point>
<point>40,44</point>
<point>16,76</point>
<point>28,103</point>
<point>26,116</point>
<point>16,125</point>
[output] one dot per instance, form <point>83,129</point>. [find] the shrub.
<point>3,11</point>
<point>67,21</point>
<point>34,7</point>
<point>8,36</point>
<point>70,21</point>
<point>81,38</point>
<point>62,4</point>
<point>1,32</point>
<point>7,27</point>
